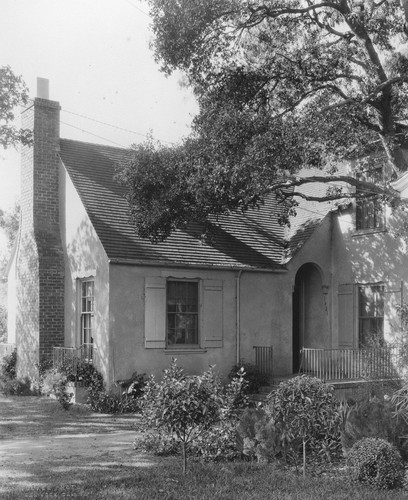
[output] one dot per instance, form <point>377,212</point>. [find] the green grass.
<point>244,481</point>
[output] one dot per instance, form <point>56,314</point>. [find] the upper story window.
<point>182,313</point>
<point>370,209</point>
<point>87,310</point>
<point>371,315</point>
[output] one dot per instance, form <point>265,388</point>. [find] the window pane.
<point>371,312</point>
<point>182,312</point>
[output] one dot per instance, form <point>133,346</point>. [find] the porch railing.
<point>349,364</point>
<point>264,361</point>
<point>73,355</point>
<point>6,349</point>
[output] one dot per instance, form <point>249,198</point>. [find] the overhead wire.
<point>112,126</point>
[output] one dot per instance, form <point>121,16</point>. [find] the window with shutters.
<point>87,303</point>
<point>371,315</point>
<point>369,207</point>
<point>182,313</point>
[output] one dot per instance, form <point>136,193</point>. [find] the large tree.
<point>13,92</point>
<point>282,85</point>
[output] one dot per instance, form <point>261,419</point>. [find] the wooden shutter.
<point>212,310</point>
<point>392,299</point>
<point>346,315</point>
<point>155,313</point>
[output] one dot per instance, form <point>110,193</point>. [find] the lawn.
<point>239,480</point>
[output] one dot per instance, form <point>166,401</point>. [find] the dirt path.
<point>41,444</point>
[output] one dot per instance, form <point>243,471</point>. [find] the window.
<point>87,310</point>
<point>182,313</point>
<point>369,210</point>
<point>371,315</point>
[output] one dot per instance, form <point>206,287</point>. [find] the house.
<point>80,275</point>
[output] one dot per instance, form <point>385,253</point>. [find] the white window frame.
<point>196,314</point>
<point>86,321</point>
<point>370,213</point>
<point>377,318</point>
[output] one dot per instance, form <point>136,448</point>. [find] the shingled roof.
<point>253,240</point>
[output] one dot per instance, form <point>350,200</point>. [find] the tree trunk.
<point>404,5</point>
<point>304,459</point>
<point>184,452</point>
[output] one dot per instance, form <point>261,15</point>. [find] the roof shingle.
<point>253,240</point>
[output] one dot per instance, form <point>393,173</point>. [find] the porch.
<point>336,365</point>
<point>86,353</point>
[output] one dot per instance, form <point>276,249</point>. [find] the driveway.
<point>41,444</point>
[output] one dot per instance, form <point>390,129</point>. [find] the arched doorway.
<point>310,315</point>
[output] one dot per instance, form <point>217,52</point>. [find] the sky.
<point>96,56</point>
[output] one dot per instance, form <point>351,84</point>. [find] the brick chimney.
<point>40,259</point>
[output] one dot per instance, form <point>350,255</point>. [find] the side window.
<point>371,315</point>
<point>182,313</point>
<point>370,209</point>
<point>87,304</point>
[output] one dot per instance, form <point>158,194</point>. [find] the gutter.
<point>238,319</point>
<point>151,263</point>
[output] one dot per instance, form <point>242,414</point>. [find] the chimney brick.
<point>40,258</point>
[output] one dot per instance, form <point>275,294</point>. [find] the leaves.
<point>281,86</point>
<point>13,92</point>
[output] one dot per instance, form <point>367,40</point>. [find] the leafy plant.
<point>376,419</point>
<point>8,368</point>
<point>376,462</point>
<point>54,382</point>
<point>185,407</point>
<point>252,377</point>
<point>304,413</point>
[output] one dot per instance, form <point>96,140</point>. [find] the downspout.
<point>238,318</point>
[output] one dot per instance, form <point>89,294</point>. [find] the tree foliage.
<point>13,92</point>
<point>184,407</point>
<point>281,85</point>
<point>9,223</point>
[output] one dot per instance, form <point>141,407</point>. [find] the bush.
<point>54,382</point>
<point>8,369</point>
<point>378,419</point>
<point>376,462</point>
<point>302,414</point>
<point>16,387</point>
<point>158,443</point>
<point>10,385</point>
<point>254,380</point>
<point>306,407</point>
<point>185,408</point>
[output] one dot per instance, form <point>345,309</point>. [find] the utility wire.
<point>137,8</point>
<point>111,125</point>
<point>95,135</point>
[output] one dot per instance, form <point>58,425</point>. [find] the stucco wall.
<point>372,257</point>
<point>84,257</point>
<point>262,321</point>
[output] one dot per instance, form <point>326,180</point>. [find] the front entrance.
<point>310,314</point>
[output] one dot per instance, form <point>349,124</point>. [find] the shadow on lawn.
<point>43,446</point>
<point>28,416</point>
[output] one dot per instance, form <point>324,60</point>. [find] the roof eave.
<point>278,268</point>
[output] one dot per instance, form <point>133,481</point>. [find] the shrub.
<point>54,382</point>
<point>10,385</point>
<point>8,369</point>
<point>187,407</point>
<point>376,462</point>
<point>375,418</point>
<point>16,387</point>
<point>253,379</point>
<point>158,443</point>
<point>302,413</point>
<point>218,442</point>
